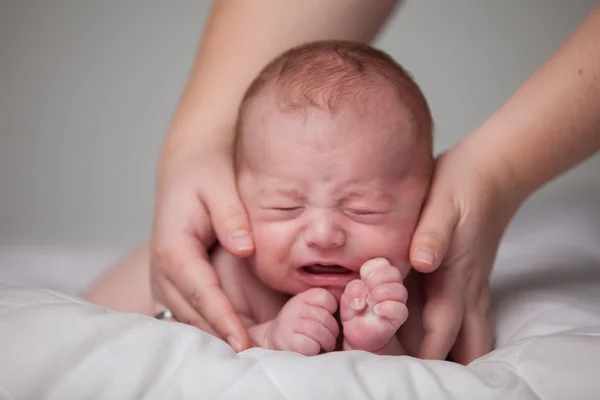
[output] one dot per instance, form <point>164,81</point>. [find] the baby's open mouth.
<point>326,269</point>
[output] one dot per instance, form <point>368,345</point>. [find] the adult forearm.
<point>241,37</point>
<point>553,121</point>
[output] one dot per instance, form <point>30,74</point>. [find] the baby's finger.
<point>356,295</point>
<point>388,291</point>
<point>320,297</point>
<point>317,332</point>
<point>392,310</point>
<point>323,317</point>
<point>302,344</point>
<point>384,275</point>
<point>372,265</point>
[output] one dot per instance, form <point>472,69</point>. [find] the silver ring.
<point>164,314</point>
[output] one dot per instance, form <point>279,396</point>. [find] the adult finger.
<point>476,335</point>
<point>442,313</point>
<point>228,215</point>
<point>198,283</point>
<point>185,313</point>
<point>433,233</point>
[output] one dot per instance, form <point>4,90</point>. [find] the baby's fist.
<point>373,308</point>
<point>306,324</point>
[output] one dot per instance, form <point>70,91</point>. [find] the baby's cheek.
<point>392,244</point>
<point>269,237</point>
<point>272,245</point>
<point>271,260</point>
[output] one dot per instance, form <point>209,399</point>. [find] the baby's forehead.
<point>374,189</point>
<point>366,99</point>
<point>376,120</point>
<point>330,92</point>
<point>382,106</point>
<point>346,147</point>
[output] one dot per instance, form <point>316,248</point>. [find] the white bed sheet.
<point>546,289</point>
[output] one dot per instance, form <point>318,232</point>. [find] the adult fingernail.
<point>357,304</point>
<point>235,345</point>
<point>241,240</point>
<point>424,256</point>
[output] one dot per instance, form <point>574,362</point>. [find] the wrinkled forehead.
<point>371,115</point>
<point>363,95</point>
<point>348,144</point>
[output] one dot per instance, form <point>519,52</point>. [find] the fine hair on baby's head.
<point>336,75</point>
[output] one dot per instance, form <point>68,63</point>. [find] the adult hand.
<point>455,244</point>
<point>548,126</point>
<point>197,192</point>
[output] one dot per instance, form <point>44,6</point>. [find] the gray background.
<point>87,89</point>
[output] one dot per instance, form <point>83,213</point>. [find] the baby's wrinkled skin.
<point>316,193</point>
<point>333,193</point>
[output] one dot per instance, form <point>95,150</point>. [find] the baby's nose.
<point>323,231</point>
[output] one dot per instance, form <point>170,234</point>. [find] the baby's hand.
<point>374,307</point>
<point>306,323</point>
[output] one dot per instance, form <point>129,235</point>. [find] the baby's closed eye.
<point>286,208</point>
<point>362,212</point>
<point>365,215</point>
<point>281,211</point>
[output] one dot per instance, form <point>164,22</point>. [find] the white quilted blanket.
<point>547,304</point>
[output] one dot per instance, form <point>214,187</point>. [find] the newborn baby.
<point>333,161</point>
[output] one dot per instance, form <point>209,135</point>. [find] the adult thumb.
<point>433,234</point>
<point>229,218</point>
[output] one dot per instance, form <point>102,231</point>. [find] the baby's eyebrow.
<point>370,193</point>
<point>357,193</point>
<point>286,192</point>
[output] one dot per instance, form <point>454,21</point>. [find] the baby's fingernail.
<point>376,309</point>
<point>241,240</point>
<point>357,304</point>
<point>425,256</point>
<point>235,345</point>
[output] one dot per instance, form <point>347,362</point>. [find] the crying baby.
<point>333,163</point>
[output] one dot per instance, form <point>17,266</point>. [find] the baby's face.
<point>326,193</point>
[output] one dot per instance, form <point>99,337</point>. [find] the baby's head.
<point>334,160</point>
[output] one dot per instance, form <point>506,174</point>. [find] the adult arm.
<point>549,125</point>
